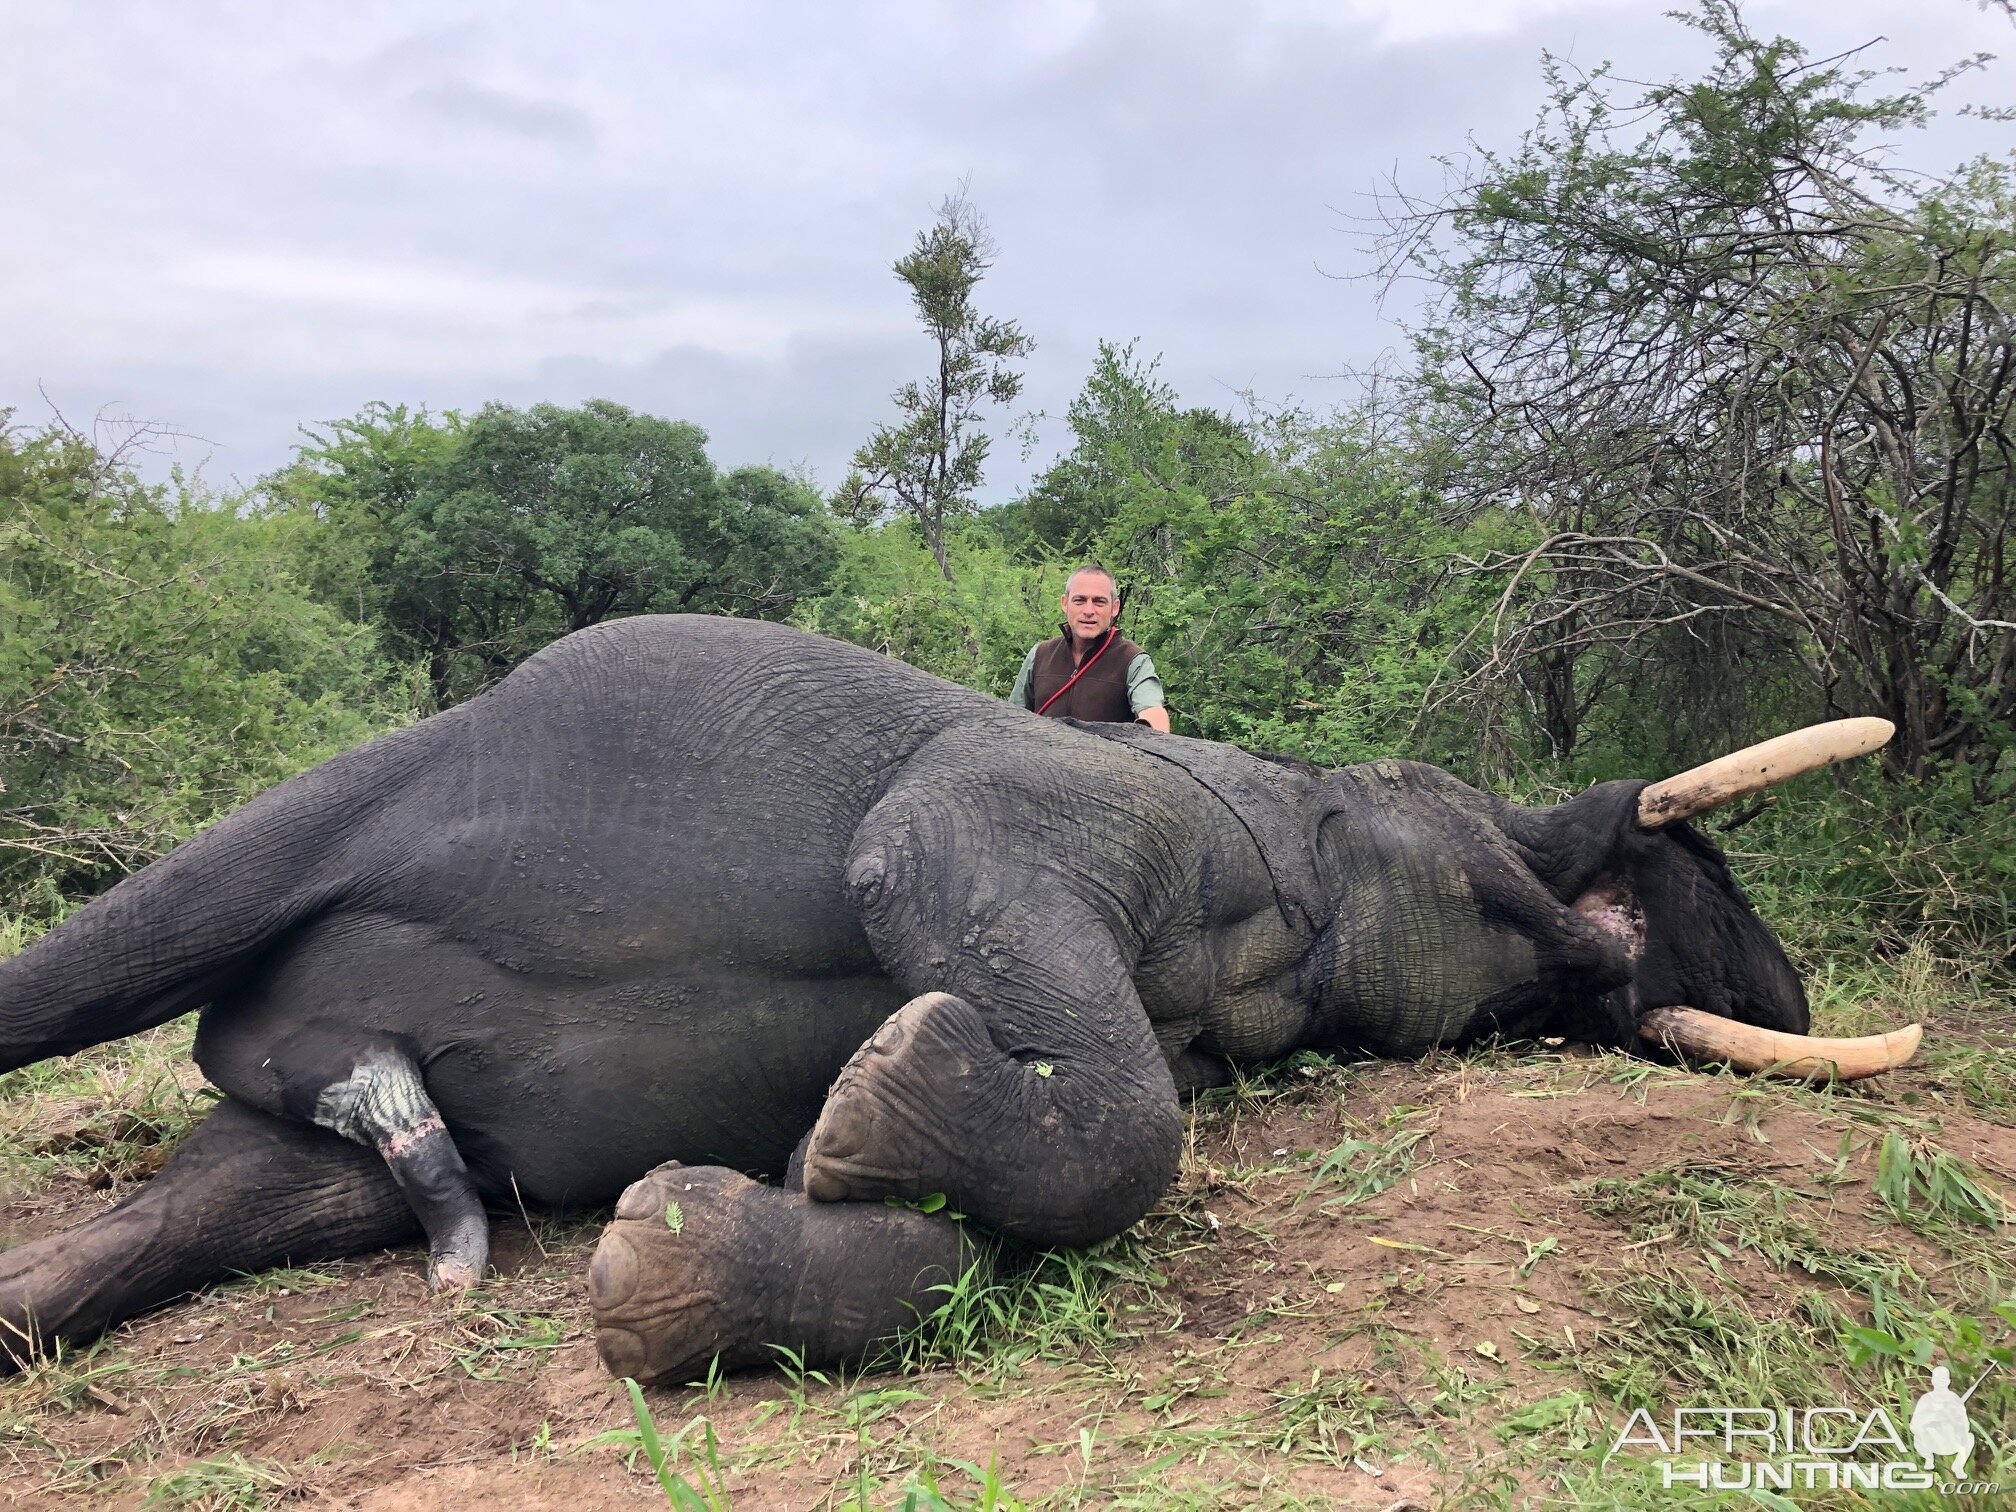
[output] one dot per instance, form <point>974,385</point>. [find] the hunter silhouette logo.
<point>1939,1421</point>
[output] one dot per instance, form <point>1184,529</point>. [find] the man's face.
<point>1090,605</point>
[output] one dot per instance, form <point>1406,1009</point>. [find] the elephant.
<point>786,944</point>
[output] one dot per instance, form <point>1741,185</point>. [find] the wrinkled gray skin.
<point>676,878</point>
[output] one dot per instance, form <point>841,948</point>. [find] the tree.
<point>484,540</point>
<point>1279,567</point>
<point>1128,433</point>
<point>1748,395</point>
<point>929,464</point>
<point>350,479</point>
<point>158,666</point>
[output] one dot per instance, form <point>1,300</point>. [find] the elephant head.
<point>1708,978</point>
<point>1441,914</point>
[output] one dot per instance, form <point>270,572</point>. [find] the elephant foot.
<point>702,1263</point>
<point>879,1133</point>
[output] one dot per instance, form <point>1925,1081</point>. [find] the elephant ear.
<point>1269,799</point>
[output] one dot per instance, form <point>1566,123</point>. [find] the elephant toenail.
<point>622,1352</point>
<point>643,1199</point>
<point>612,1274</point>
<point>843,1129</point>
<point>822,1185</point>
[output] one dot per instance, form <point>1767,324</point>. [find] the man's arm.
<point>1019,694</point>
<point>1145,696</point>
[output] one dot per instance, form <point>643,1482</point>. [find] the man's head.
<point>1091,602</point>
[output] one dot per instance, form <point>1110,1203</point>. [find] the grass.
<point>1362,1168</point>
<point>1853,1314</point>
<point>1013,1305</point>
<point>218,1485</point>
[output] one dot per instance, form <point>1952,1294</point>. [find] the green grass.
<point>688,1468</point>
<point>1013,1305</point>
<point>1844,1321</point>
<point>1362,1168</point>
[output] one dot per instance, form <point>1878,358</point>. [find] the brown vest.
<point>1101,694</point>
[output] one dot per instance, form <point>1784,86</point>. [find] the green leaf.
<point>675,1220</point>
<point>930,1204</point>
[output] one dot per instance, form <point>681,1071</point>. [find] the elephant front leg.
<point>703,1264</point>
<point>1023,1080</point>
<point>1051,1147</point>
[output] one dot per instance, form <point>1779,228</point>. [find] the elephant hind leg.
<point>246,1191</point>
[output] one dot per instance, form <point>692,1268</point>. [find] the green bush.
<point>157,668</point>
<point>890,597</point>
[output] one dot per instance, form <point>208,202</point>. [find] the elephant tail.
<point>186,929</point>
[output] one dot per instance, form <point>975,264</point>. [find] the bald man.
<point>1091,671</point>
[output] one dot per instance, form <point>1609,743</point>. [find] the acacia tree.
<point>929,464</point>
<point>1747,393</point>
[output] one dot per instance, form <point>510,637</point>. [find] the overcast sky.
<point>233,219</point>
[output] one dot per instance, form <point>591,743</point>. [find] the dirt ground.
<point>1374,1286</point>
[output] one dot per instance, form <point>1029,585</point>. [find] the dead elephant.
<point>721,893</point>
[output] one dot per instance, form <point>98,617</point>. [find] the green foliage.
<point>158,667</point>
<point>930,463</point>
<point>1129,437</point>
<point>219,1485</point>
<point>1861,866</point>
<point>663,1455</point>
<point>1754,390</point>
<point>353,475</point>
<point>474,543</point>
<point>974,628</point>
<point>1603,540</point>
<point>1011,1305</point>
<point>1288,572</point>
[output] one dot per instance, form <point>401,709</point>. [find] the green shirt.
<point>1144,688</point>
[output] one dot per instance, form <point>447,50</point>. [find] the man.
<point>1091,671</point>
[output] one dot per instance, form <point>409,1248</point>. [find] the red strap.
<point>1111,636</point>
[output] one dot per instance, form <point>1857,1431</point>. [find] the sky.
<point>228,221</point>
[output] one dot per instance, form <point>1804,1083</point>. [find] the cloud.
<point>236,223</point>
<point>547,121</point>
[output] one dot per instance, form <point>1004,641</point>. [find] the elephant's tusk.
<point>1757,767</point>
<point>1706,1037</point>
